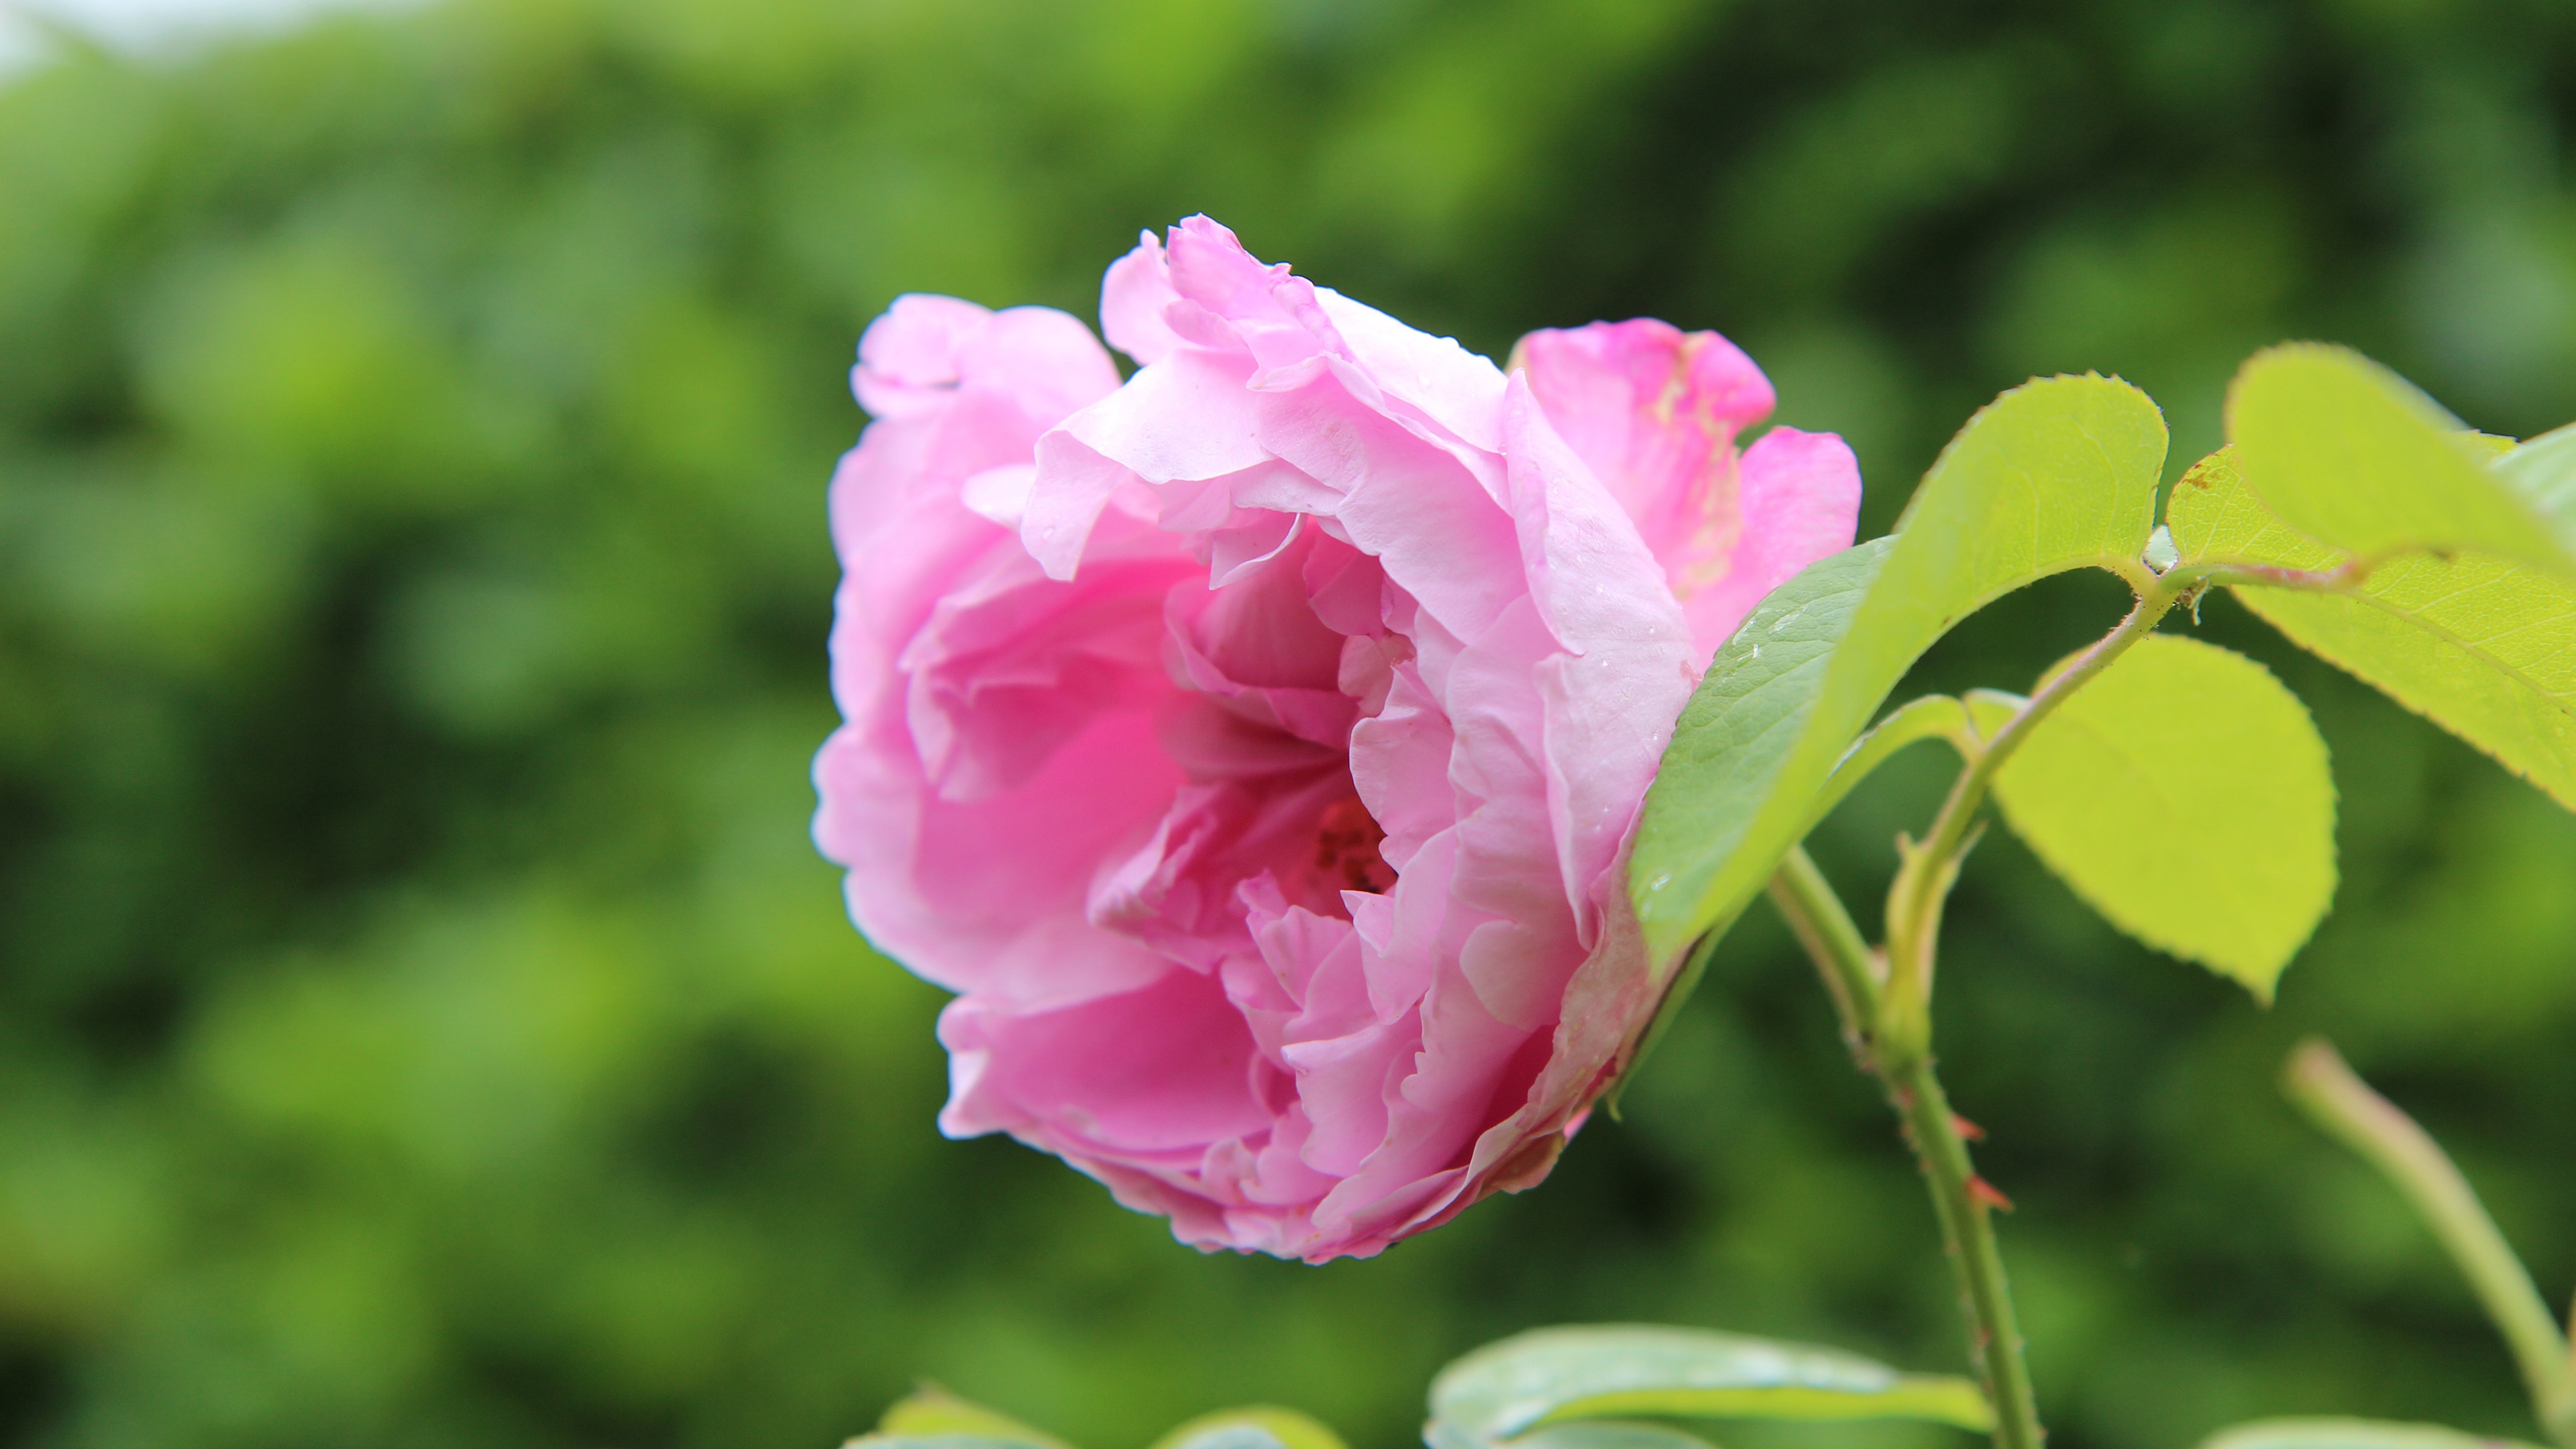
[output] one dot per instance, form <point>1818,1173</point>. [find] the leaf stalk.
<point>2317,1079</point>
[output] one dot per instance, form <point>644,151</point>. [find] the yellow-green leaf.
<point>2483,647</point>
<point>931,1412</point>
<point>2352,455</point>
<point>2184,794</point>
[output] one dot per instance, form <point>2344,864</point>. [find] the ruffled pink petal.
<point>908,357</point>
<point>1655,411</point>
<point>1134,295</point>
<point>1149,1071</point>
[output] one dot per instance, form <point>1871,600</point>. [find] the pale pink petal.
<point>908,357</point>
<point>1133,298</point>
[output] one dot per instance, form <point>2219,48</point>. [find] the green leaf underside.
<point>2544,472</point>
<point>1258,1426</point>
<point>1608,1434</point>
<point>2054,475</point>
<point>1551,1375</point>
<point>2352,455</point>
<point>2483,647</point>
<point>2350,1434</point>
<point>2185,795</point>
<point>1942,1400</point>
<point>934,1414</point>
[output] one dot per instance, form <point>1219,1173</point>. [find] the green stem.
<point>1886,1004</point>
<point>2371,1125</point>
<point>1968,1230</point>
<point>1816,916</point>
<point>1923,882</point>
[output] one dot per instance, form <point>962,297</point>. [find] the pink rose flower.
<point>1253,745</point>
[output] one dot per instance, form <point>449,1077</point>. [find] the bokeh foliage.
<point>423,1022</point>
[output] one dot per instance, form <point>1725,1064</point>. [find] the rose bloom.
<point>1253,745</point>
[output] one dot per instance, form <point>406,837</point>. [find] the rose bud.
<point>1253,745</point>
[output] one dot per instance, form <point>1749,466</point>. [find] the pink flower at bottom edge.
<point>1253,745</point>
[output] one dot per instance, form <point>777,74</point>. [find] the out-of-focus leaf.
<point>1608,1434</point>
<point>2544,469</point>
<point>1255,1426</point>
<point>932,1413</point>
<point>2350,1434</point>
<point>2184,793</point>
<point>885,1440</point>
<point>2354,456</point>
<point>1552,1376</point>
<point>2054,475</point>
<point>2483,647</point>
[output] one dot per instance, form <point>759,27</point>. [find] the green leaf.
<point>1608,1434</point>
<point>2350,454</point>
<point>2350,1434</point>
<point>2544,472</point>
<point>2483,647</point>
<point>2053,475</point>
<point>1550,1376</point>
<point>1257,1426</point>
<point>2184,793</point>
<point>931,1413</point>
<point>883,1440</point>
<point>1933,717</point>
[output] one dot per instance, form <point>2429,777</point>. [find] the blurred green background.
<point>424,1022</point>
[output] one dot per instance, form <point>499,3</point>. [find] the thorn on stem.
<point>1967,1129</point>
<point>1986,1192</point>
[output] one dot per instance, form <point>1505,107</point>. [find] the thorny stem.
<point>1886,1002</point>
<point>2371,1125</point>
<point>1961,1200</point>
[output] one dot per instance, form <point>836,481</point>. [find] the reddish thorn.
<point>1984,1192</point>
<point>1966,1128</point>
